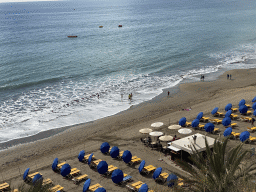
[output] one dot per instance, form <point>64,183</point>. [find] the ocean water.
<point>49,80</point>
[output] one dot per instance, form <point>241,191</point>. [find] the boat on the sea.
<point>71,36</point>
<point>101,26</point>
<point>120,26</point>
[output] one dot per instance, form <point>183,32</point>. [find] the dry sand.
<point>122,130</point>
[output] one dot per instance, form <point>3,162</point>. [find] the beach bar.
<point>183,148</point>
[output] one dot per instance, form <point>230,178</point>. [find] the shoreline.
<point>49,133</point>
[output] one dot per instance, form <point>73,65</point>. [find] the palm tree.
<point>220,170</point>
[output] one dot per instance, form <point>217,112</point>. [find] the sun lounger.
<point>4,187</point>
<point>188,124</point>
<point>233,125</point>
<point>56,188</point>
<point>94,187</point>
<point>148,169</point>
<point>15,190</point>
<point>217,121</point>
<point>60,165</point>
<point>205,119</point>
<point>120,155</point>
<point>247,105</point>
<point>216,130</point>
<point>86,157</point>
<point>234,109</point>
<point>127,179</point>
<point>200,126</point>
<point>80,178</point>
<point>31,176</point>
<point>135,161</point>
<point>74,172</point>
<point>251,139</point>
<point>235,135</point>
<point>162,177</point>
<point>137,185</point>
<point>47,181</point>
<point>111,169</point>
<point>95,163</point>
<point>219,114</point>
<point>232,116</point>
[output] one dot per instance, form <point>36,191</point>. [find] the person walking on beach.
<point>227,76</point>
<point>203,77</point>
<point>129,97</point>
<point>230,76</point>
<point>168,93</point>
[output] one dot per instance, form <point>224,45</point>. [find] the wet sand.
<point>122,130</point>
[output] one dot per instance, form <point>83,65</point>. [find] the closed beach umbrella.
<point>254,99</point>
<point>127,156</point>
<point>182,121</point>
<point>226,121</point>
<point>90,159</point>
<point>157,172</point>
<point>254,112</point>
<point>227,132</point>
<point>142,164</point>
<point>214,110</point>
<point>195,123</point>
<point>37,178</point>
<point>86,185</point>
<point>54,164</point>
<point>185,131</point>
<point>243,109</point>
<point>81,155</point>
<point>228,107</point>
<point>102,167</point>
<point>143,188</point>
<point>114,152</point>
<point>209,127</point>
<point>200,115</point>
<point>254,106</point>
<point>117,176</point>
<point>166,138</point>
<point>244,136</point>
<point>145,130</point>
<point>65,170</point>
<point>174,127</point>
<point>100,189</point>
<point>228,113</point>
<point>104,148</point>
<point>25,174</point>
<point>157,124</point>
<point>242,102</point>
<point>156,133</point>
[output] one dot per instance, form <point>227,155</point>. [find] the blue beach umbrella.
<point>214,110</point>
<point>254,112</point>
<point>209,127</point>
<point>254,106</point>
<point>182,121</point>
<point>243,109</point>
<point>86,185</point>
<point>90,159</point>
<point>254,99</point>
<point>25,174</point>
<point>244,136</point>
<point>114,152</point>
<point>200,115</point>
<point>37,177</point>
<point>195,123</point>
<point>227,132</point>
<point>104,148</point>
<point>100,189</point>
<point>142,164</point>
<point>242,102</point>
<point>226,121</point>
<point>102,167</point>
<point>117,176</point>
<point>171,179</point>
<point>157,172</point>
<point>127,156</point>
<point>228,113</point>
<point>54,164</point>
<point>228,107</point>
<point>81,155</point>
<point>143,188</point>
<point>65,170</point>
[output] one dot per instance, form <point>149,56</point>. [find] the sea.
<point>49,81</point>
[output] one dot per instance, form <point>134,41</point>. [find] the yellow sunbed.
<point>79,178</point>
<point>4,186</point>
<point>47,181</point>
<point>56,188</point>
<point>94,187</point>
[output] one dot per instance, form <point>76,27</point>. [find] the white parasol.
<point>145,130</point>
<point>156,133</point>
<point>174,127</point>
<point>166,138</point>
<point>157,124</point>
<point>185,131</point>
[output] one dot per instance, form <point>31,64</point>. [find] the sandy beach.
<point>122,130</point>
